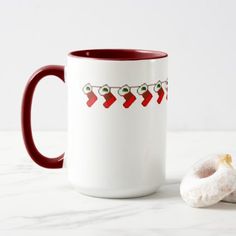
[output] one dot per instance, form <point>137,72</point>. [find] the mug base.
<point>116,194</point>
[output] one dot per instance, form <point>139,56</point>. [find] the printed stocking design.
<point>166,89</point>
<point>125,92</point>
<point>92,98</point>
<point>105,91</point>
<point>160,91</point>
<point>147,96</point>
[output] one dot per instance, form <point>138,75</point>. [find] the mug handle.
<point>40,159</point>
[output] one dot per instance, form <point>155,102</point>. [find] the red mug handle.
<point>40,159</point>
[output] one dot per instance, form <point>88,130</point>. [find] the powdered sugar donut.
<point>209,181</point>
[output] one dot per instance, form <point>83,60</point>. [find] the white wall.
<point>200,37</point>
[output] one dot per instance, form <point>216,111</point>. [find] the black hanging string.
<point>135,86</point>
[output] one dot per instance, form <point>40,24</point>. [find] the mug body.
<point>116,122</point>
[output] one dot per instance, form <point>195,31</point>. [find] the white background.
<point>199,36</point>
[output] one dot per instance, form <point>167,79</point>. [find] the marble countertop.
<point>38,201</point>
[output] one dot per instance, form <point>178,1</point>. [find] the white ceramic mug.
<point>116,121</point>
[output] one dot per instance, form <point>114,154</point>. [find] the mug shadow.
<point>167,191</point>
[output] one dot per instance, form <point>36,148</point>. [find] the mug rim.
<point>118,54</point>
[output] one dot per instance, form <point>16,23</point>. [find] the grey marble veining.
<point>37,201</point>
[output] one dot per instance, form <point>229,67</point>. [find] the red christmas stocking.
<point>110,99</point>
<point>147,96</point>
<point>105,91</point>
<point>161,94</point>
<point>160,91</point>
<point>92,98</point>
<point>125,92</point>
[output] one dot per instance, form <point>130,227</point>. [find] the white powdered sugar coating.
<point>209,181</point>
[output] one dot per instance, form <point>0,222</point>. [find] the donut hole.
<point>205,172</point>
